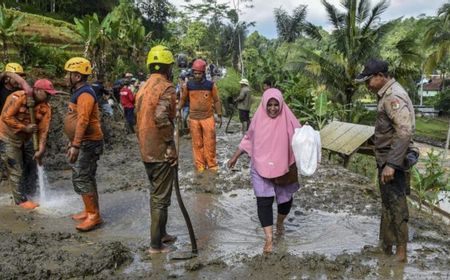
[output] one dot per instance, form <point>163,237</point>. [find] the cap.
<point>244,82</point>
<point>372,67</point>
<point>45,85</point>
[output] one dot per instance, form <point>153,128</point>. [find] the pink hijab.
<point>268,141</point>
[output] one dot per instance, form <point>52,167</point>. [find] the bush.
<point>229,88</point>
<point>443,101</point>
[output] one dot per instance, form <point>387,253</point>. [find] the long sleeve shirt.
<point>16,116</point>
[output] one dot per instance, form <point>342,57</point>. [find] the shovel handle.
<point>33,121</point>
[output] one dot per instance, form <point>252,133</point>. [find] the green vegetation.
<point>432,181</point>
<point>432,128</point>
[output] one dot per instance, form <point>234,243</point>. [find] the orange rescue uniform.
<point>155,112</point>
<point>16,116</point>
<point>82,121</point>
<point>203,101</point>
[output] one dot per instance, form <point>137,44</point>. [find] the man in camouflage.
<point>394,128</point>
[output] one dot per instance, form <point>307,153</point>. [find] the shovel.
<point>30,104</point>
<point>194,251</point>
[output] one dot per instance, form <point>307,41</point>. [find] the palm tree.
<point>8,28</point>
<point>290,28</point>
<point>438,37</point>
<point>355,38</point>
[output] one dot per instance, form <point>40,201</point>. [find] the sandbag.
<point>307,149</point>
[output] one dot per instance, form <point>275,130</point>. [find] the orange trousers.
<point>203,133</point>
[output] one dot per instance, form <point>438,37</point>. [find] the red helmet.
<point>199,65</point>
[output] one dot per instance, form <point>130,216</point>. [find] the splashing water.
<point>42,178</point>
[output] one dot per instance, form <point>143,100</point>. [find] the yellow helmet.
<point>160,54</point>
<point>78,64</point>
<point>14,68</point>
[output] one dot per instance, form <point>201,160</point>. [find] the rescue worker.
<point>155,112</point>
<point>11,80</point>
<point>127,101</point>
<point>394,129</point>
<point>244,101</point>
<point>203,100</point>
<point>82,127</point>
<point>16,149</point>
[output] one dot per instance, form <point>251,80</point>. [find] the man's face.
<point>72,78</point>
<point>198,76</point>
<point>375,82</point>
<point>11,84</point>
<point>40,95</point>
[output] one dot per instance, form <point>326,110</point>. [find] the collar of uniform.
<point>383,90</point>
<point>159,75</point>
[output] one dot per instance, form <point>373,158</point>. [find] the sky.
<point>262,12</point>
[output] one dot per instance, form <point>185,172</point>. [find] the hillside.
<point>50,31</point>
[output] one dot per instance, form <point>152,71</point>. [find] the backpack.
<point>307,149</point>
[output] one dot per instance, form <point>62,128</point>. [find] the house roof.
<point>434,85</point>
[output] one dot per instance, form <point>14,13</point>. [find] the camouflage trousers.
<point>394,210</point>
<point>21,169</point>
<point>85,168</point>
<point>160,175</point>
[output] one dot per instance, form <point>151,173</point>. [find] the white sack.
<point>307,149</point>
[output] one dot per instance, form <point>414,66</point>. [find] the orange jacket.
<point>203,98</point>
<point>16,116</point>
<point>155,112</point>
<point>82,121</point>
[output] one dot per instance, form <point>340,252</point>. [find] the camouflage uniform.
<point>394,128</point>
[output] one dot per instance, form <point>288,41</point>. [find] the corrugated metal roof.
<point>345,138</point>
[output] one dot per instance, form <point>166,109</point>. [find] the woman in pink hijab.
<point>268,143</point>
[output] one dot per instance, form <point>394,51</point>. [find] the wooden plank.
<point>338,130</point>
<point>345,138</point>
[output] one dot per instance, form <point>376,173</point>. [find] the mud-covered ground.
<point>331,232</point>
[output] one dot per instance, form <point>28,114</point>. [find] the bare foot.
<point>163,249</point>
<point>168,238</point>
<point>400,254</point>
<point>268,246</point>
<point>280,230</point>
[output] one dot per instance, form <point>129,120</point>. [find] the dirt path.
<point>330,233</point>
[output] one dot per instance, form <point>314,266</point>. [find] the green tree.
<point>290,28</point>
<point>355,38</point>
<point>8,28</point>
<point>157,14</point>
<point>438,38</point>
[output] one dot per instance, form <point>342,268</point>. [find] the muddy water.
<point>332,230</point>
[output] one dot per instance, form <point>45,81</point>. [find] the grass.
<point>434,128</point>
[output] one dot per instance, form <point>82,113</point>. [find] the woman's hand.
<point>232,162</point>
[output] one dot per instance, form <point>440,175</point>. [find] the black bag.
<point>289,178</point>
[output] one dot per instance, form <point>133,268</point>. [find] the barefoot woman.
<point>268,143</point>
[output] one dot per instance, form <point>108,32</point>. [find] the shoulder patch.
<point>395,104</point>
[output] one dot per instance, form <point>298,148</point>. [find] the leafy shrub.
<point>428,185</point>
<point>229,88</point>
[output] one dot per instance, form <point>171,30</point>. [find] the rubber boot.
<point>158,227</point>
<point>93,218</point>
<point>83,214</point>
<point>28,205</point>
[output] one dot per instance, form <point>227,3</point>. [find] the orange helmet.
<point>199,65</point>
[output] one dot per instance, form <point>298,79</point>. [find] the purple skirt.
<point>266,188</point>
